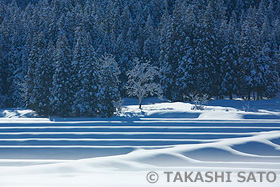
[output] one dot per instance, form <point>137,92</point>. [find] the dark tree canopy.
<point>71,57</point>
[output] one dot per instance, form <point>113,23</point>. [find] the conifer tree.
<point>43,78</point>
<point>266,77</point>
<point>108,85</point>
<point>207,54</point>
<point>165,32</point>
<point>230,66</point>
<point>151,44</point>
<point>248,54</point>
<point>84,76</point>
<point>36,56</point>
<point>62,94</point>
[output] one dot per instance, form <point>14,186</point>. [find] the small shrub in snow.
<point>118,105</point>
<point>246,107</point>
<point>199,101</point>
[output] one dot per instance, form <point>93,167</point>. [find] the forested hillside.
<point>71,57</point>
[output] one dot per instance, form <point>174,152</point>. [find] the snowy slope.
<point>161,137</point>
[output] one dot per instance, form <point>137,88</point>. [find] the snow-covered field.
<point>227,136</point>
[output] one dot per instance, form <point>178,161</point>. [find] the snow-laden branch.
<point>141,81</point>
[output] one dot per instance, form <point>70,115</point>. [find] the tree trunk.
<point>140,103</point>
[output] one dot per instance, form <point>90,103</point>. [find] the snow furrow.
<point>129,133</point>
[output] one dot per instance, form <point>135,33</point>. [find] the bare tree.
<point>141,81</point>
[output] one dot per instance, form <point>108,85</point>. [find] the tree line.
<point>77,58</point>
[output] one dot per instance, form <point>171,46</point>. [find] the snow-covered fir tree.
<point>36,56</point>
<point>230,66</point>
<point>85,76</point>
<point>108,85</point>
<point>207,52</point>
<point>62,93</point>
<point>188,77</point>
<point>38,80</point>
<point>176,46</point>
<point>165,30</point>
<point>151,44</point>
<point>249,44</point>
<point>266,74</point>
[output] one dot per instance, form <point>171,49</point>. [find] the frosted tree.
<point>141,81</point>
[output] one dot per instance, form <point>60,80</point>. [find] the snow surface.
<point>226,136</point>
